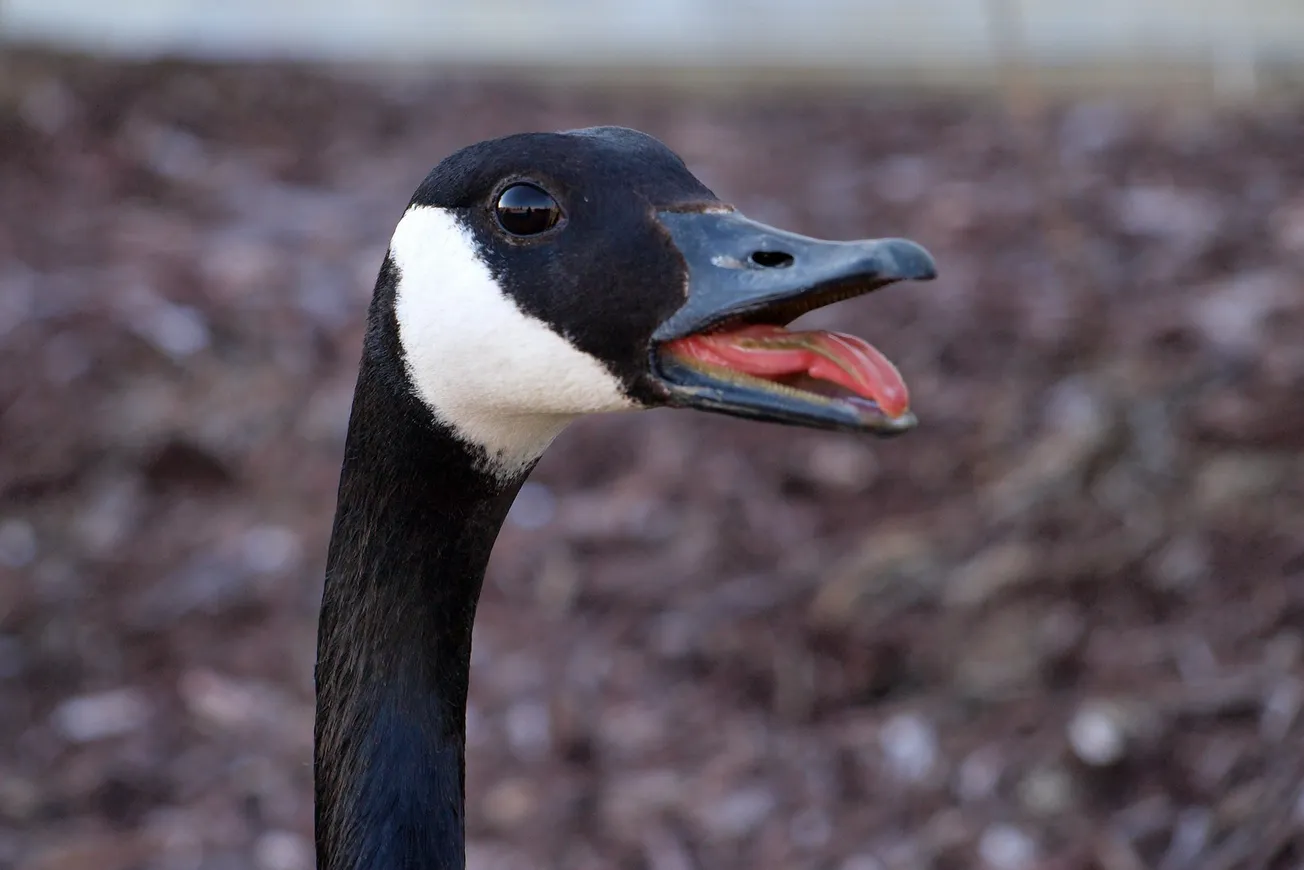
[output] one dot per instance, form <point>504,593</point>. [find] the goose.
<point>534,279</point>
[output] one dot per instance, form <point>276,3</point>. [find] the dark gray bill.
<point>722,350</point>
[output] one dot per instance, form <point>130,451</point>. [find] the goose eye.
<point>526,210</point>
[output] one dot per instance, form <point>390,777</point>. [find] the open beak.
<point>726,349</point>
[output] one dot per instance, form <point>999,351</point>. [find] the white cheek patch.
<point>499,378</point>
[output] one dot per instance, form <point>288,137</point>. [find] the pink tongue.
<point>772,351</point>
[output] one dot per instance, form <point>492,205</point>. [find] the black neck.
<point>413,530</point>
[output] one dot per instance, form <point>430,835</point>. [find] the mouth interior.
<point>820,365</point>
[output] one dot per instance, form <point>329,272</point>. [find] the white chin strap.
<point>500,379</point>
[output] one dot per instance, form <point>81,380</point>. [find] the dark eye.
<point>526,210</point>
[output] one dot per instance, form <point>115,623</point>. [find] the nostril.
<point>771,259</point>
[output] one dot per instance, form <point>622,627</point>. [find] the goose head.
<point>540,277</point>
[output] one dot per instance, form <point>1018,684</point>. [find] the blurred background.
<point>1058,626</point>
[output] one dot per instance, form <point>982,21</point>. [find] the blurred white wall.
<point>851,34</point>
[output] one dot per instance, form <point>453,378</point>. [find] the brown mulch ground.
<point>1059,626</point>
